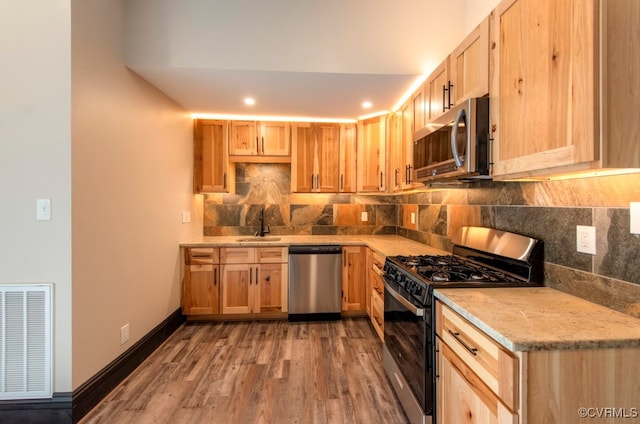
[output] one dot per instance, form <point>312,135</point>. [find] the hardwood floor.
<point>258,372</point>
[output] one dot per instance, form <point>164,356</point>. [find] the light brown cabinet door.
<point>316,162</point>
<point>354,278</point>
<point>328,145</point>
<point>251,138</point>
<point>419,102</point>
<point>274,139</point>
<point>438,87</point>
<point>244,138</point>
<point>303,158</point>
<point>394,149</point>
<point>371,155</point>
<point>463,397</point>
<point>237,288</point>
<point>543,84</point>
<point>348,154</point>
<point>201,290</point>
<point>211,170</point>
<point>470,65</point>
<point>271,288</point>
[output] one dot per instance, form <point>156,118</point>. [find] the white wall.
<point>35,157</point>
<point>132,178</point>
<point>476,11</point>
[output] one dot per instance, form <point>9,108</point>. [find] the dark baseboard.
<point>90,393</point>
<point>56,410</point>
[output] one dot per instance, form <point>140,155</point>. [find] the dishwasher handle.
<point>314,250</point>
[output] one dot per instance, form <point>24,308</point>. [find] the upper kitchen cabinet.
<point>323,158</point>
<point>371,155</point>
<point>565,79</point>
<point>211,170</point>
<point>470,65</point>
<point>400,127</point>
<point>437,92</point>
<point>315,167</point>
<point>348,155</point>
<point>260,141</point>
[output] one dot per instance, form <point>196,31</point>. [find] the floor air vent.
<point>25,341</point>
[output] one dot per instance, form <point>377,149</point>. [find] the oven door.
<point>407,336</point>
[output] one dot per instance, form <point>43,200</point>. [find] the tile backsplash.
<point>549,211</point>
<point>546,210</point>
<point>268,186</point>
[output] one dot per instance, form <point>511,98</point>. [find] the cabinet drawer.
<point>276,254</point>
<point>377,315</point>
<point>377,285</point>
<point>238,255</point>
<point>201,256</point>
<point>377,260</point>
<point>493,364</point>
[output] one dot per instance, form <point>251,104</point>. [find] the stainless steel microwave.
<point>454,145</point>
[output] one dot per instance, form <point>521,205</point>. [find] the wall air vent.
<point>25,341</point>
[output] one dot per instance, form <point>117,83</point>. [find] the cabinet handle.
<point>341,182</point>
<point>377,320</point>
<point>257,146</point>
<point>377,289</point>
<point>396,177</point>
<point>409,174</point>
<point>257,275</point>
<point>224,180</point>
<point>215,276</point>
<point>250,275</point>
<point>456,336</point>
<point>262,145</point>
<point>313,184</point>
<point>381,174</point>
<point>446,89</point>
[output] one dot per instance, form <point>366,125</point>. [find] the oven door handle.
<point>419,312</point>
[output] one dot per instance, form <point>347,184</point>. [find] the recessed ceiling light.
<point>367,105</point>
<point>249,101</point>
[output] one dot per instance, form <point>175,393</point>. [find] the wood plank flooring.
<point>258,372</point>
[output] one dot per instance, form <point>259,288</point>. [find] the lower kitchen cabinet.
<point>200,282</point>
<point>376,292</point>
<point>479,381</point>
<point>257,287</point>
<point>354,278</point>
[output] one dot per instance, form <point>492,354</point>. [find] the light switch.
<point>364,216</point>
<point>413,217</point>
<point>186,217</point>
<point>43,209</point>
<point>634,214</point>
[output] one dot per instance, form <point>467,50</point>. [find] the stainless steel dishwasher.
<point>315,282</point>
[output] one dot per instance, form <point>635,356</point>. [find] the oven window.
<point>405,336</point>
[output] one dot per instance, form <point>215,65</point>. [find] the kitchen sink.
<point>256,238</point>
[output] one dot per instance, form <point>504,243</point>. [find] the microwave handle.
<point>454,137</point>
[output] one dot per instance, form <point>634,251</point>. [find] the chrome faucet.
<point>262,231</point>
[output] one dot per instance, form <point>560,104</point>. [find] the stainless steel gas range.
<point>481,257</point>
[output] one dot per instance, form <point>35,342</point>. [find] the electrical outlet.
<point>586,239</point>
<point>364,216</point>
<point>124,333</point>
<point>634,215</point>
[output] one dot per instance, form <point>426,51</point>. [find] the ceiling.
<point>310,59</point>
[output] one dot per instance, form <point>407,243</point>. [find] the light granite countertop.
<point>387,245</point>
<point>542,318</point>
